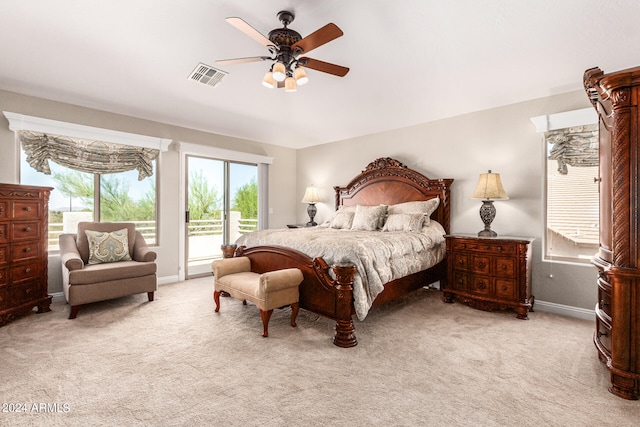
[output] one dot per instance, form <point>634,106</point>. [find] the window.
<point>86,196</point>
<point>571,189</point>
<point>119,197</point>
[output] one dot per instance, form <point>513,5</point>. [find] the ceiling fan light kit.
<point>286,46</point>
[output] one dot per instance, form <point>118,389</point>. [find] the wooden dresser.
<point>615,97</point>
<point>24,212</point>
<point>489,273</point>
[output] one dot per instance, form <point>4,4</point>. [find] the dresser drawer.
<point>4,232</point>
<point>460,262</point>
<point>24,292</point>
<point>4,210</point>
<point>4,254</point>
<point>506,289</point>
<point>505,267</point>
<point>459,281</point>
<point>25,210</point>
<point>25,271</point>
<point>4,297</point>
<point>25,231</point>
<point>4,276</point>
<point>26,251</point>
<point>603,333</point>
<point>481,285</point>
<point>480,264</point>
<point>485,247</point>
<point>604,296</point>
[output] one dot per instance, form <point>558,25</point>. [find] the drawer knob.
<point>504,288</point>
<point>601,334</point>
<point>505,266</point>
<point>603,304</point>
<point>27,229</point>
<point>482,284</point>
<point>27,250</point>
<point>499,248</point>
<point>481,264</point>
<point>28,209</point>
<point>460,262</point>
<point>27,270</point>
<point>460,281</point>
<point>27,291</point>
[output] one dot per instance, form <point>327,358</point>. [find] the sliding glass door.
<point>221,204</point>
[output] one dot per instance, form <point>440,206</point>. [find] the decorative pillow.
<point>368,217</point>
<point>425,207</point>
<point>404,222</point>
<point>342,220</point>
<point>108,247</point>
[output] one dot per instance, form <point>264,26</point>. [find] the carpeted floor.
<point>418,362</point>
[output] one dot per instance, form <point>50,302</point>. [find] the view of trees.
<point>117,204</point>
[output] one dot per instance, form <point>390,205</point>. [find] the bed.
<point>340,286</point>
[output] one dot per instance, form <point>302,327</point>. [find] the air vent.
<point>207,75</point>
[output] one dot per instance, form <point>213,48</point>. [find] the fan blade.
<point>325,67</point>
<point>240,24</point>
<point>242,60</point>
<point>318,38</point>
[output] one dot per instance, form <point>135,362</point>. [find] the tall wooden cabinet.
<point>24,212</point>
<point>615,96</point>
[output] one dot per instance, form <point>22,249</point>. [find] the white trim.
<point>19,122</point>
<point>565,310</point>
<point>585,116</point>
<point>168,279</point>
<point>221,153</point>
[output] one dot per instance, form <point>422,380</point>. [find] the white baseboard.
<point>58,297</point>
<point>168,279</point>
<point>564,310</point>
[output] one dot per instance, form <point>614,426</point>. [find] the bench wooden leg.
<point>216,298</point>
<point>295,307</point>
<point>150,295</point>
<point>266,315</point>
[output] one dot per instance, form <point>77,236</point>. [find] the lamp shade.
<point>490,187</point>
<point>290,84</point>
<point>311,195</point>
<point>301,76</point>
<point>268,80</point>
<point>279,72</point>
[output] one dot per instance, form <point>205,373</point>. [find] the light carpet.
<point>419,361</point>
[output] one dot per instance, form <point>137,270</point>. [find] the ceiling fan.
<point>286,46</point>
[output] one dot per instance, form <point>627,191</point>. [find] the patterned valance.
<point>84,155</point>
<point>573,146</point>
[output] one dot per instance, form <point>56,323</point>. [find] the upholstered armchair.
<point>105,260</point>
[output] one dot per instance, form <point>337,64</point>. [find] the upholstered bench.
<point>270,290</point>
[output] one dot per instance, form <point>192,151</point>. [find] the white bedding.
<point>379,256</point>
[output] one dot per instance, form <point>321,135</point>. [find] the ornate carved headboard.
<point>387,181</point>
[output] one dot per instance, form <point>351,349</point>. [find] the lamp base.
<point>311,211</point>
<point>487,233</point>
<point>487,214</point>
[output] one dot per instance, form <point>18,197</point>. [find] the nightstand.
<point>489,273</point>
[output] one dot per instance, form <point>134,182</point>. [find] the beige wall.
<point>503,140</point>
<point>282,189</point>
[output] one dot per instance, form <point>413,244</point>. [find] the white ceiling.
<point>411,61</point>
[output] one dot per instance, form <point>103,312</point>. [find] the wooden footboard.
<point>328,297</point>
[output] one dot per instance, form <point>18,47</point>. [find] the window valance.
<point>85,155</point>
<point>573,146</point>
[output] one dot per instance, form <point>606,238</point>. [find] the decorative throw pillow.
<point>404,222</point>
<point>342,220</point>
<point>108,247</point>
<point>368,217</point>
<point>425,207</point>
